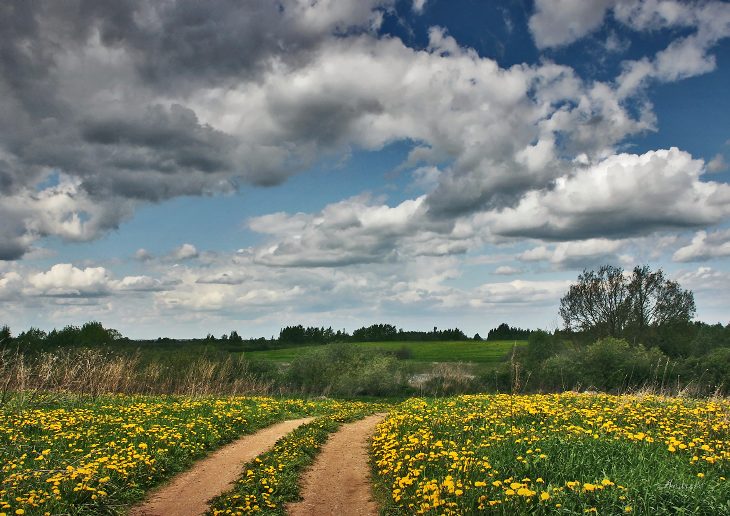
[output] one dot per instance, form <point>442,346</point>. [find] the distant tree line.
<point>373,333</point>
<point>94,334</point>
<point>89,334</point>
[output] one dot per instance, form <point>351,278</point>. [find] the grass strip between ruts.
<point>271,480</point>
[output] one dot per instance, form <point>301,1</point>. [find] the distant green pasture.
<point>484,352</point>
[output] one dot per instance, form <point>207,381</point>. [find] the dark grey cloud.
<point>222,41</point>
<point>103,93</point>
<point>10,248</point>
<point>326,119</point>
<point>153,144</point>
<point>12,244</point>
<point>616,225</point>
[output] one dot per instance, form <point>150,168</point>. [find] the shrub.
<point>345,370</point>
<point>559,373</point>
<point>711,371</point>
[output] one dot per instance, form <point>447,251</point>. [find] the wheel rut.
<point>338,483</point>
<point>188,493</point>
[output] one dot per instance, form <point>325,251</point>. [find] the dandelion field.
<point>554,454</point>
<point>497,454</point>
<point>98,455</point>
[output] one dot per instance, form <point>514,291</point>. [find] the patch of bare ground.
<point>338,483</point>
<point>188,493</point>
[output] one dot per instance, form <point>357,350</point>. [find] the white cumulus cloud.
<point>705,246</point>
<point>184,252</point>
<point>622,195</point>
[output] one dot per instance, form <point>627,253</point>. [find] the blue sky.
<point>181,169</point>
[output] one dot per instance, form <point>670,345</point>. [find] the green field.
<point>482,352</point>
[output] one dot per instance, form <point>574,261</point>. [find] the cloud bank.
<point>140,102</point>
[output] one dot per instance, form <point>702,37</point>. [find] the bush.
<point>710,372</point>
<point>540,346</point>
<point>608,364</point>
<point>559,373</point>
<point>345,370</point>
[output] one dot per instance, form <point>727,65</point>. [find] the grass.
<point>95,455</point>
<point>555,454</point>
<point>482,352</point>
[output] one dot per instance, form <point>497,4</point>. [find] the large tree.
<point>656,301</point>
<point>611,303</point>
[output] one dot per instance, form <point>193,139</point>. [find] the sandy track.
<point>339,481</point>
<point>188,493</point>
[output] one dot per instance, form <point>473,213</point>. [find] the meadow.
<point>555,454</point>
<point>480,352</point>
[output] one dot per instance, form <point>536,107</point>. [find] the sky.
<point>182,168</point>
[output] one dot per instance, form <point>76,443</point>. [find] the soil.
<point>338,483</point>
<point>188,493</point>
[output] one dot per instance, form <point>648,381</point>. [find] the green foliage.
<point>389,333</point>
<point>5,335</point>
<point>482,352</point>
<point>346,370</point>
<point>30,339</point>
<point>540,345</point>
<point>90,334</point>
<point>711,370</point>
<point>558,373</point>
<point>611,364</point>
<point>708,337</point>
<point>375,332</point>
<point>297,335</point>
<point>608,365</point>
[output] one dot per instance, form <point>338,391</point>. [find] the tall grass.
<point>339,370</point>
<point>95,372</point>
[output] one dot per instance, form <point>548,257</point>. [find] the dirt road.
<point>339,481</point>
<point>188,493</point>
